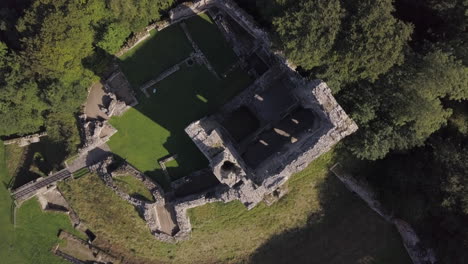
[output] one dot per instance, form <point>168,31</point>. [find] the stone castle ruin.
<point>274,128</point>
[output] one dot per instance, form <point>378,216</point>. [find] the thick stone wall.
<point>26,140</point>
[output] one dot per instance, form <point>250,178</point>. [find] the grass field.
<point>133,187</point>
<point>318,221</point>
<point>154,55</point>
<point>155,127</point>
<point>35,233</point>
<point>211,42</point>
<point>15,158</point>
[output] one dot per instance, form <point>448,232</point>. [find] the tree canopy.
<point>44,49</point>
<point>403,108</point>
<point>343,41</point>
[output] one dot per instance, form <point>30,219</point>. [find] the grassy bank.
<point>319,221</point>
<point>133,187</point>
<point>35,232</point>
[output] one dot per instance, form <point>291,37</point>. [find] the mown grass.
<point>16,157</point>
<point>211,41</point>
<point>133,187</point>
<point>80,173</point>
<point>155,127</point>
<point>154,55</point>
<point>35,233</point>
<point>323,221</point>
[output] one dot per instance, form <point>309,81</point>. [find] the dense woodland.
<point>398,67</point>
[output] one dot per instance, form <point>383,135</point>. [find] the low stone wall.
<point>147,209</point>
<point>133,42</point>
<point>98,254</point>
<point>161,77</point>
<point>411,241</point>
<point>26,140</point>
<point>155,189</point>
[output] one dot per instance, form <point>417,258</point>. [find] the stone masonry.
<point>293,122</point>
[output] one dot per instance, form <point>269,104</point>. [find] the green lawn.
<point>133,187</point>
<point>35,233</point>
<point>318,221</point>
<point>211,41</point>
<point>154,55</point>
<point>155,127</point>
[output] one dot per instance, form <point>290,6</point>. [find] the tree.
<point>21,104</point>
<point>308,31</point>
<point>403,108</point>
<point>57,36</point>
<point>343,41</point>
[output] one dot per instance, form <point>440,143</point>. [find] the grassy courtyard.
<point>211,41</point>
<point>155,54</point>
<point>154,129</point>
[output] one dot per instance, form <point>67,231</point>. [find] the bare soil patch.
<point>95,99</point>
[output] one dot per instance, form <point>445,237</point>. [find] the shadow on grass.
<point>344,231</point>
<point>155,127</point>
<point>41,159</point>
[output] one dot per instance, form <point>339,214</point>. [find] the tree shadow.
<point>344,231</point>
<point>42,158</point>
<point>182,98</point>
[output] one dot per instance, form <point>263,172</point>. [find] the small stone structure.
<point>159,215</point>
<point>85,251</point>
<point>118,84</point>
<point>411,241</point>
<point>26,140</point>
<point>162,164</point>
<point>53,200</point>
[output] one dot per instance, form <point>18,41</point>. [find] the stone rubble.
<point>25,140</point>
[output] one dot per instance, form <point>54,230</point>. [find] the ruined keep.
<point>276,126</point>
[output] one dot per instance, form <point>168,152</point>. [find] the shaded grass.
<point>15,156</point>
<point>133,187</point>
<point>35,233</point>
<point>321,230</point>
<point>41,159</point>
<point>155,127</point>
<point>154,55</point>
<point>211,41</point>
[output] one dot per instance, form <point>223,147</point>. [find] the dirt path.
<point>89,158</point>
<point>95,99</point>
